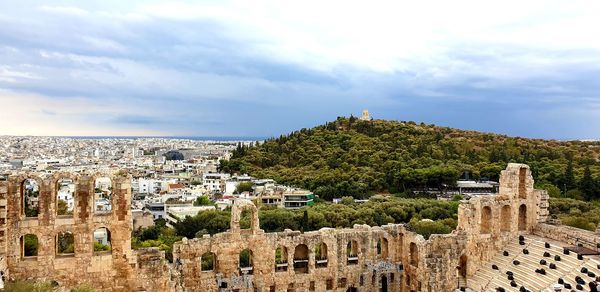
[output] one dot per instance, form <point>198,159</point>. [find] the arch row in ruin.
<point>85,247</point>
<point>362,258</point>
<point>85,196</point>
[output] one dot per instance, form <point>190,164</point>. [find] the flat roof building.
<point>297,199</point>
<point>178,213</point>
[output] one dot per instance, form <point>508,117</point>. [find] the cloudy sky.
<point>263,68</point>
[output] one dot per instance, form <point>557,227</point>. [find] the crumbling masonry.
<point>363,258</point>
<point>119,269</point>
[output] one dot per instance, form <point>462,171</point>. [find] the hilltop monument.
<point>365,115</point>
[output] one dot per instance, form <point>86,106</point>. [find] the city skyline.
<point>266,68</point>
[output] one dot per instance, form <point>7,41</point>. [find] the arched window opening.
<point>352,252</point>
<point>29,246</point>
<point>207,262</point>
<point>30,198</point>
<point>65,197</point>
<point>522,217</point>
<point>505,218</point>
<point>414,254</point>
<point>329,284</point>
<point>246,264</point>
<point>486,220</point>
<point>384,284</point>
<point>103,195</point>
<point>301,259</point>
<point>522,180</point>
<point>462,266</point>
<point>246,218</point>
<point>102,239</point>
<point>65,243</point>
<point>281,259</point>
<point>321,255</point>
<point>382,248</point>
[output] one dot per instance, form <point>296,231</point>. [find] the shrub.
<point>579,222</point>
<point>574,194</point>
<point>100,247</point>
<point>427,228</point>
<point>83,288</point>
<point>29,286</point>
<point>457,198</point>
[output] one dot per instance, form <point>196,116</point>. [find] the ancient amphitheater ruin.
<point>502,241</point>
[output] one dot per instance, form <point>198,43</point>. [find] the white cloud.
<point>7,74</point>
<point>103,44</point>
<point>211,61</point>
<point>29,114</point>
<point>387,36</point>
<point>64,10</point>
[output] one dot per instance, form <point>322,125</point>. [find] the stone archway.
<point>522,181</point>
<point>237,208</point>
<point>301,259</point>
<point>462,266</point>
<point>414,254</point>
<point>522,217</point>
<point>384,284</point>
<point>505,218</point>
<point>486,220</point>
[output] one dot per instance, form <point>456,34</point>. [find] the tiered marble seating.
<point>526,268</point>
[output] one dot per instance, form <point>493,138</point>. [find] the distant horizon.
<point>225,138</point>
<point>208,138</point>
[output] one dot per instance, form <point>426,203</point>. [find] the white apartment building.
<point>151,186</point>
<point>65,193</point>
<point>232,183</point>
<point>178,213</point>
<point>102,236</point>
<point>214,182</point>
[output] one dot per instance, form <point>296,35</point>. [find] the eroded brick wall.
<point>386,258</point>
<point>105,270</point>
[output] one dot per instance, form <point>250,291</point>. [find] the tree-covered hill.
<point>351,157</point>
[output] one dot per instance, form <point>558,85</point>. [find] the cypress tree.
<point>587,185</point>
<point>569,179</point>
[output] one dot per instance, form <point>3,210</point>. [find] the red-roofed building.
<point>177,186</point>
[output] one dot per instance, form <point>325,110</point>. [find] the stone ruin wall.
<point>407,262</point>
<point>490,222</point>
<point>114,270</point>
<point>570,235</point>
<point>336,273</point>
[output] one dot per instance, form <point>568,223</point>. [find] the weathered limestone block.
<point>567,234</point>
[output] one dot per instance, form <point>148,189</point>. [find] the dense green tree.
<point>361,158</point>
<point>428,227</point>
<point>569,180</point>
<point>553,191</point>
<point>62,208</point>
<point>574,194</point>
<point>158,235</point>
<point>588,186</point>
<point>243,187</point>
<point>30,246</point>
<point>378,211</point>
<point>203,201</point>
<point>576,213</point>
<point>213,221</point>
